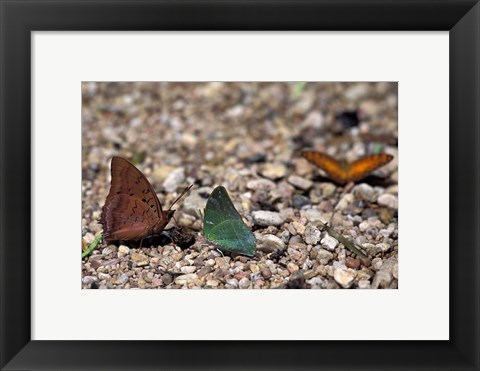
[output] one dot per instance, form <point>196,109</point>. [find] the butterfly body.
<point>224,226</point>
<point>132,210</point>
<point>343,172</point>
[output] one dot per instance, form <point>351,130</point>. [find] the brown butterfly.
<point>343,173</point>
<point>132,210</point>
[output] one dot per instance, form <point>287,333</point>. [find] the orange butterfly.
<point>343,173</point>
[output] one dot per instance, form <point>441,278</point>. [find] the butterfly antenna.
<point>181,195</point>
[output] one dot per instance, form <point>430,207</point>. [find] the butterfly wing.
<point>128,180</point>
<point>127,218</point>
<point>224,226</point>
<point>361,168</point>
<point>328,164</point>
<point>130,204</point>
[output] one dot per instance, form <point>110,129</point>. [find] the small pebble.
<point>194,203</point>
<point>364,284</point>
<point>315,283</point>
<point>174,179</point>
<point>344,277</point>
<point>167,279</point>
<point>261,184</point>
<point>213,283</point>
<point>371,249</point>
<point>324,256</point>
<point>244,283</point>
<point>313,215</point>
<point>312,235</point>
<point>299,227</point>
<point>87,280</point>
<point>160,173</point>
<point>185,278</point>
<point>188,269</point>
<point>123,279</point>
<point>232,282</point>
<point>269,243</point>
<point>266,218</point>
<point>384,247</point>
<point>381,280</point>
<point>328,189</point>
<point>366,262</point>
<point>123,250</point>
<point>89,238</point>
<point>139,259</point>
<point>299,201</point>
<point>300,182</point>
<point>388,200</point>
<point>274,170</point>
<point>204,271</point>
<point>107,250</point>
<point>266,273</point>
<point>292,267</point>
<point>363,191</point>
<point>352,263</point>
<point>329,243</point>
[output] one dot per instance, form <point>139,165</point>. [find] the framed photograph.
<point>257,185</point>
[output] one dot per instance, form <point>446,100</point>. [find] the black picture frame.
<point>18,18</point>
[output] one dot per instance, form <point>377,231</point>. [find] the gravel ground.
<point>247,137</point>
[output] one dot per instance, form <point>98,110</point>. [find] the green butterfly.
<point>224,226</point>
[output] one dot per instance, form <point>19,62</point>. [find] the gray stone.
<point>261,184</point>
<point>269,243</point>
<point>123,279</point>
<point>188,269</point>
<point>194,204</point>
<point>298,201</point>
<point>384,247</point>
<point>174,179</point>
<point>345,201</point>
<point>266,218</point>
<point>313,215</point>
<point>329,243</point>
<point>300,182</point>
<point>139,259</point>
<point>87,280</point>
<point>232,283</point>
<point>388,200</point>
<point>312,235</point>
<point>244,283</point>
<point>324,256</point>
<point>364,284</point>
<point>185,278</point>
<point>381,280</point>
<point>371,249</point>
<point>363,191</point>
<point>344,278</point>
<point>274,170</point>
<point>315,282</point>
<point>123,250</point>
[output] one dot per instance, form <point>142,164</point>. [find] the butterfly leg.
<point>223,256</point>
<point>141,241</point>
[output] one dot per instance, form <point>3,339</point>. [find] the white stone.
<point>344,277</point>
<point>329,243</point>
<point>388,200</point>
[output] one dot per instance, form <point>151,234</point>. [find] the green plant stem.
<point>92,246</point>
